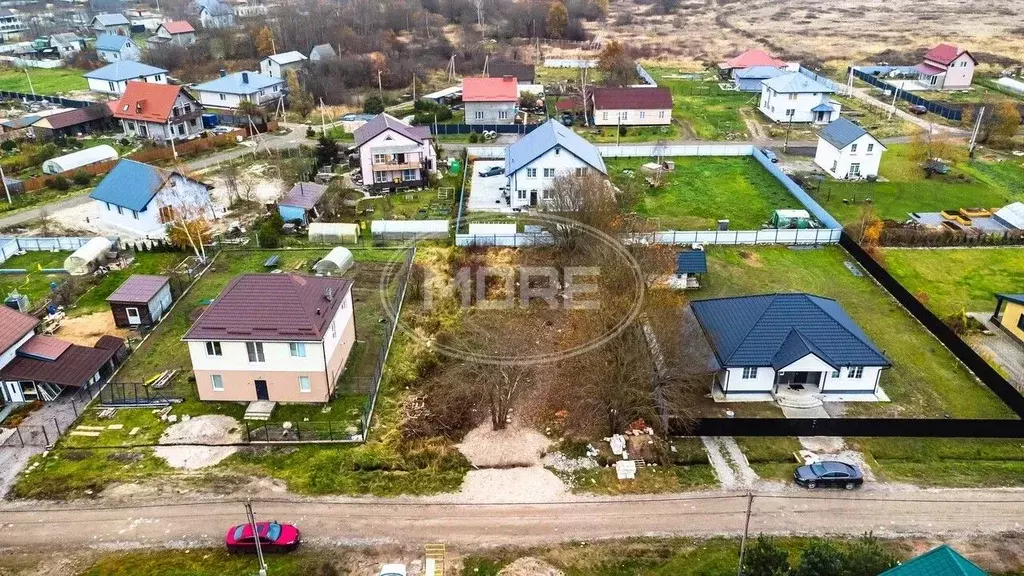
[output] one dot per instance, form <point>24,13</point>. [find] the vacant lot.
<point>969,184</point>
<point>957,462</point>
<point>704,110</point>
<point>925,379</point>
<point>43,81</point>
<point>958,279</point>
<point>702,190</point>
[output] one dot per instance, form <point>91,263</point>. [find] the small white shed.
<point>333,232</point>
<point>75,160</point>
<point>336,263</point>
<point>83,260</point>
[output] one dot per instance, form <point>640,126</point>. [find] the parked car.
<point>492,171</point>
<point>918,109</point>
<point>392,570</point>
<point>771,156</point>
<point>828,473</point>
<point>274,537</point>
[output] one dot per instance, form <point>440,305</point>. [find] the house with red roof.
<point>490,100</point>
<point>749,59</point>
<point>159,112</point>
<point>632,106</point>
<point>274,337</point>
<point>177,32</point>
<point>947,67</point>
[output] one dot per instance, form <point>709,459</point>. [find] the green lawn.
<point>958,462</point>
<point>958,279</point>
<point>702,190</point>
<point>44,81</point>
<point>709,112</point>
<point>201,562</point>
<point>925,380</point>
<point>95,300</point>
<point>610,134</point>
<point>34,284</point>
<point>770,457</point>
<point>970,184</point>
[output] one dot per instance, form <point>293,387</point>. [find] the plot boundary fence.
<point>948,112</point>
<point>865,427</point>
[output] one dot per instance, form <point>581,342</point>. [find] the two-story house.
<point>846,150</point>
<point>177,32</point>
<point>393,154</point>
<point>115,24</point>
<point>279,65</point>
<point>946,67</point>
<point>229,90</point>
<point>215,14</point>
<point>273,337</point>
<point>158,112</point>
<point>632,106</point>
<point>143,199</point>
<point>794,97</point>
<point>490,100</point>
<point>11,26</point>
<point>549,151</point>
<point>115,48</point>
<point>114,78</point>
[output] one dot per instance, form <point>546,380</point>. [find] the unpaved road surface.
<point>181,522</point>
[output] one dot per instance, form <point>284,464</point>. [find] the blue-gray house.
<point>299,204</point>
<point>749,79</point>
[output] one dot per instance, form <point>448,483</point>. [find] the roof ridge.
<point>814,300</point>
<point>752,324</point>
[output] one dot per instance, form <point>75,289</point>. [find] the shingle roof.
<point>272,307</point>
<point>521,72</point>
<point>178,27</point>
<point>754,72</point>
<point>112,42</point>
<point>147,101</point>
<point>632,99</point>
<point>303,195</point>
<point>544,138</point>
<point>753,58</point>
<point>926,68</point>
<point>842,132</point>
<point>13,327</point>
<point>490,90</point>
<point>774,329</point>
<point>384,121</point>
<point>124,70</point>
<point>234,84</point>
<point>112,19</point>
<point>74,367</point>
<point>131,184</point>
<point>940,561</point>
<point>287,57</point>
<point>139,289</point>
<point>691,262</point>
<point>795,82</point>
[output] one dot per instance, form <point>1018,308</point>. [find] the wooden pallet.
<point>435,552</point>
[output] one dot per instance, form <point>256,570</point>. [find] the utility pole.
<point>414,89</point>
<point>977,128</point>
<point>746,530</point>
<point>323,120</point>
<point>789,127</point>
<point>170,136</point>
<point>30,87</point>
<point>256,536</point>
<point>380,86</point>
<point>892,108</point>
<point>6,190</point>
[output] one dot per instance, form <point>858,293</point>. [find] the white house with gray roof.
<point>111,24</point>
<point>846,150</point>
<point>229,90</point>
<point>794,97</point>
<point>549,151</point>
<point>279,65</point>
<point>114,78</point>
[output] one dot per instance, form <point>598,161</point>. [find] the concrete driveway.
<point>485,192</point>
<point>1006,351</point>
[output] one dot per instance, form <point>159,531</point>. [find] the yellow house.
<point>1010,314</point>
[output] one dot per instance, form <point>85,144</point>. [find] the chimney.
<point>223,72</point>
<point>138,106</point>
<point>245,77</point>
<point>329,294</point>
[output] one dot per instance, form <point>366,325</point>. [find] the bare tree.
<point>588,200</point>
<point>187,212</point>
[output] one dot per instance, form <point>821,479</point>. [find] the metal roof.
<point>504,89</point>
<point>13,327</point>
<point>648,98</point>
<point>384,121</point>
<point>114,42</point>
<point>842,132</point>
<point>148,101</point>
<point>777,329</point>
<point>795,82</point>
<point>691,262</point>
<point>1015,298</point>
<point>178,27</point>
<point>111,19</point>
<point>73,117</point>
<point>940,561</point>
<point>545,137</point>
<point>74,367</point>
<point>132,184</point>
<point>755,72</point>
<point>124,70</point>
<point>43,347</point>
<point>303,195</point>
<point>287,57</point>
<point>752,58</point>
<point>236,83</point>
<point>1012,215</point>
<point>945,54</point>
<point>139,289</point>
<point>521,72</point>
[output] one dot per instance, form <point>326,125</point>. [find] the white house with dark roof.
<point>549,151</point>
<point>794,97</point>
<point>846,150</point>
<point>116,48</point>
<point>946,67</point>
<point>229,90</point>
<point>279,65</point>
<point>393,154</point>
<point>632,106</point>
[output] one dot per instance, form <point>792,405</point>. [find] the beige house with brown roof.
<point>274,337</point>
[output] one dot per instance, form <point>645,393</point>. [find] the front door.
<point>533,197</point>
<point>261,390</point>
<point>133,316</point>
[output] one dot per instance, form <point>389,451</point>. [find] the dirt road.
<point>349,521</point>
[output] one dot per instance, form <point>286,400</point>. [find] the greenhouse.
<point>336,263</point>
<point>84,260</point>
<point>75,160</point>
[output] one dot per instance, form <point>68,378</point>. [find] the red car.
<point>274,537</point>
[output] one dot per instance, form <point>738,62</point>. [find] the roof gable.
<point>841,132</point>
<point>383,122</point>
<point>178,27</point>
<point>795,82</point>
<point>111,42</point>
<point>148,101</point>
<point>504,89</point>
<point>945,54</point>
<point>545,137</point>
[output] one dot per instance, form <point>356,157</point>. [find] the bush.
<point>373,105</point>
<point>310,132</point>
<point>126,142</point>
<point>82,178</point>
<point>474,137</point>
<point>820,558</point>
<point>765,558</point>
<point>8,145</point>
<point>269,231</point>
<point>622,130</point>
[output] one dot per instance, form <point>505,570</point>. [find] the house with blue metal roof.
<point>142,199</point>
<point>847,150</point>
<point>549,151</point>
<point>793,97</point>
<point>227,91</point>
<point>116,48</point>
<point>750,79</point>
<point>113,78</point>
<point>773,344</point>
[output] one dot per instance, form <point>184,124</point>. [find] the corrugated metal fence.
<point>955,114</point>
<point>67,102</point>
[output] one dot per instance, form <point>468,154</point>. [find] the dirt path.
<point>730,464</point>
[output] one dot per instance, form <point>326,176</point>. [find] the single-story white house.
<point>846,150</point>
<point>229,90</point>
<point>549,151</point>
<point>794,97</point>
<point>114,78</point>
<point>632,106</point>
<point>772,344</point>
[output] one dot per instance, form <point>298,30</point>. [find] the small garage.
<point>142,300</point>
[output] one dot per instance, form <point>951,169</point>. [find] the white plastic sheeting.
<point>76,160</point>
<point>336,263</point>
<point>333,232</point>
<point>83,260</point>
<point>409,229</point>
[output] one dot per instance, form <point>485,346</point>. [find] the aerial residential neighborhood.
<point>519,288</point>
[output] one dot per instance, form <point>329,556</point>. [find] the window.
<point>380,177</point>
<point>502,114</point>
<point>478,115</point>
<point>521,194</point>
<point>213,349</point>
<point>853,148</point>
<point>297,349</point>
<point>835,164</point>
<point>750,372</point>
<point>108,206</point>
<point>263,92</point>
<point>531,172</point>
<point>581,172</point>
<point>409,175</point>
<point>835,373</point>
<point>545,194</point>
<point>790,112</point>
<point>549,172</point>
<point>871,148</point>
<point>255,350</point>
<point>643,114</point>
<point>1020,322</point>
<point>112,87</point>
<point>661,114</point>
<point>135,214</point>
<point>855,169</point>
<point>304,384</point>
<point>156,78</point>
<point>334,331</point>
<point>855,372</point>
<point>623,115</point>
<point>217,382</point>
<point>120,211</point>
<point>792,96</point>
<point>604,115</point>
<point>223,96</point>
<point>380,158</point>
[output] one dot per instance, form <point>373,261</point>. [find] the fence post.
<point>248,435</point>
<point>20,439</point>
<point>330,431</point>
<point>46,437</point>
<point>56,426</point>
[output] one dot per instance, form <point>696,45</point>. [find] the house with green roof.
<point>941,561</point>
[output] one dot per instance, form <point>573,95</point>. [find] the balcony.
<point>388,166</point>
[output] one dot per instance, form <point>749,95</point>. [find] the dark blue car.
<point>828,474</point>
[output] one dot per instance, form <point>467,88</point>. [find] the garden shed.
<point>336,263</point>
<point>83,261</point>
<point>75,160</point>
<point>142,300</point>
<point>333,232</point>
